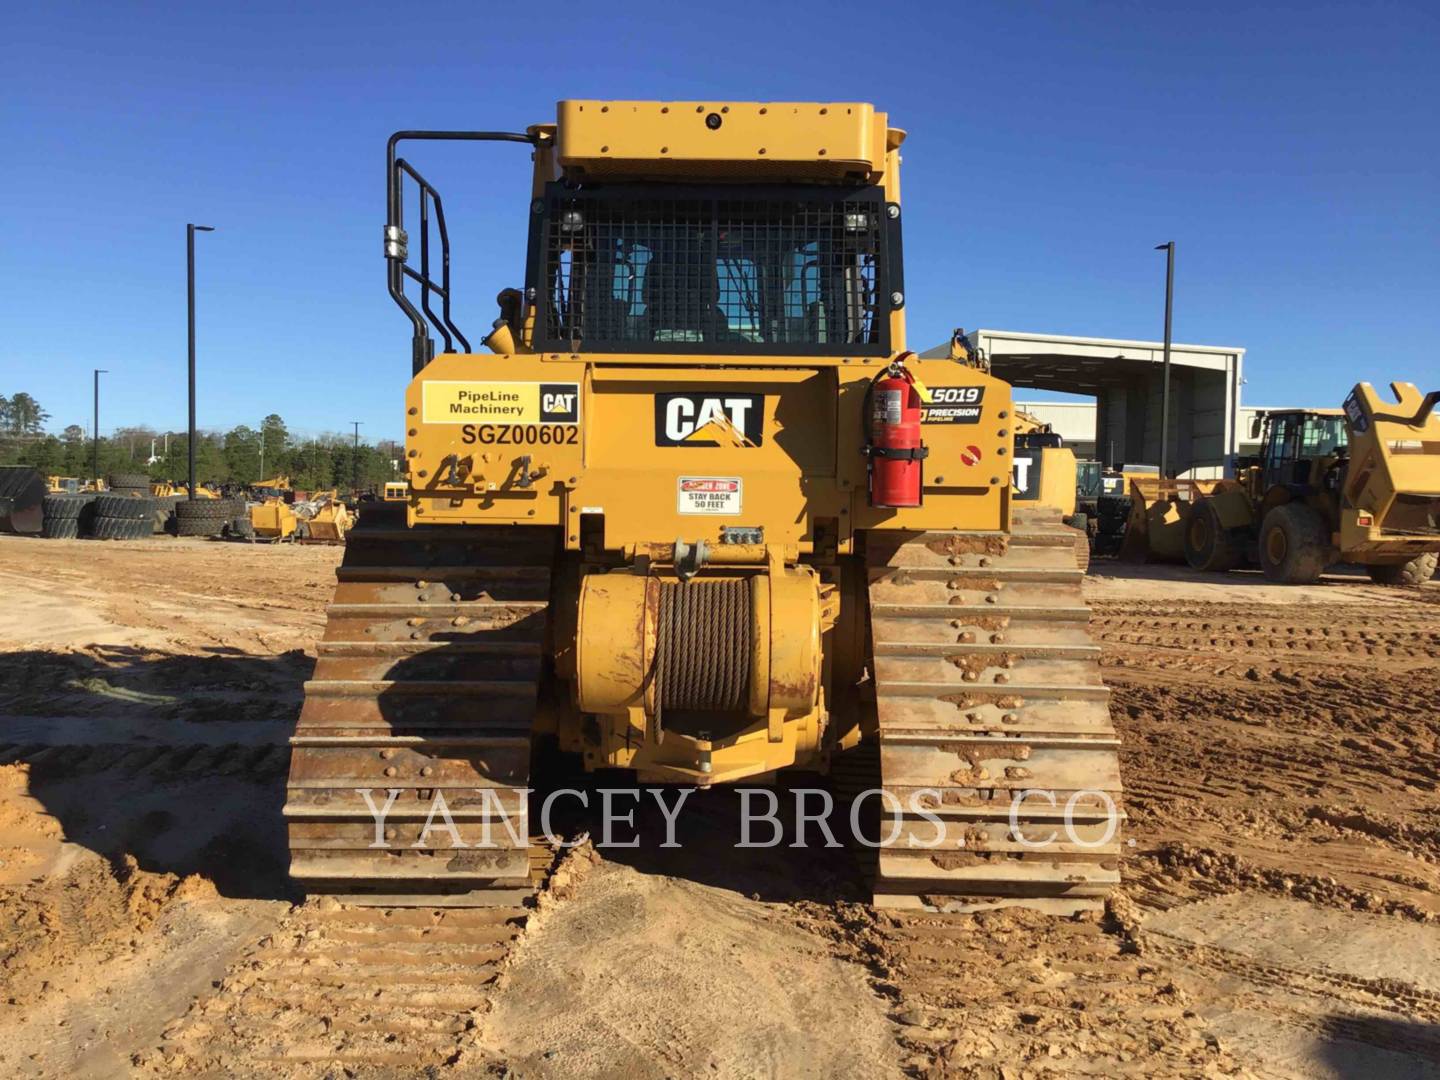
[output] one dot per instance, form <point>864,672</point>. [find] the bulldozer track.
<point>988,686</point>
<point>425,691</point>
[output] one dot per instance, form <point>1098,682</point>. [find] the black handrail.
<point>397,247</point>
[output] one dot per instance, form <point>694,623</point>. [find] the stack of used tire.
<point>128,483</point>
<point>203,517</point>
<point>126,513</point>
<point>67,516</point>
<point>22,491</point>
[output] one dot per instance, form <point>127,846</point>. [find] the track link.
<point>987,686</point>
<point>426,683</point>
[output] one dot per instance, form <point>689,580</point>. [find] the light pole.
<point>355,461</point>
<point>95,432</point>
<point>190,231</point>
<point>1169,248</point>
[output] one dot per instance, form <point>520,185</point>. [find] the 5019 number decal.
<point>521,434</point>
<point>953,405</point>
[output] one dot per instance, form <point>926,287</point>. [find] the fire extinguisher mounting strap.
<point>914,453</point>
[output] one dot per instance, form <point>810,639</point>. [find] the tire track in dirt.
<point>1284,749</point>
<point>1014,992</point>
<point>375,992</point>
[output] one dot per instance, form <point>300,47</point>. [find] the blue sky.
<point>1292,151</point>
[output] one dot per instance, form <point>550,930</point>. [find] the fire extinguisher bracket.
<point>913,453</point>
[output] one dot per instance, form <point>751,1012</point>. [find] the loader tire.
<point>116,528</point>
<point>1209,545</point>
<point>1416,571</point>
<point>128,481</point>
<point>198,527</point>
<point>195,509</point>
<point>240,528</point>
<point>200,517</point>
<point>1294,545</point>
<point>125,507</point>
<point>65,507</point>
<point>63,528</point>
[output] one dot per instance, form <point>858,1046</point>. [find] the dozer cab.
<point>698,514</point>
<point>1357,485</point>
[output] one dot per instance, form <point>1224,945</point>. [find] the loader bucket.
<point>1394,474</point>
<point>1158,513</point>
<point>22,498</point>
<point>330,523</point>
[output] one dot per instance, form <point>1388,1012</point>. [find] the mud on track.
<point>1278,917</point>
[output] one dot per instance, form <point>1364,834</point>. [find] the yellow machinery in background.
<point>395,491</point>
<point>1159,510</point>
<point>324,519</point>
<point>1358,485</point>
<point>63,485</point>
<point>1044,473</point>
<point>162,488</point>
<point>273,517</point>
<point>273,520</point>
<point>1044,467</point>
<point>276,487</point>
<point>700,515</point>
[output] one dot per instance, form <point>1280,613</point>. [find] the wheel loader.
<point>1358,485</point>
<point>696,513</point>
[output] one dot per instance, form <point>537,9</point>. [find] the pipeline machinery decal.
<point>446,401</point>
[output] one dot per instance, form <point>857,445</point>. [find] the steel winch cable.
<point>703,656</point>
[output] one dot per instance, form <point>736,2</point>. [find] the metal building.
<point>1124,378</point>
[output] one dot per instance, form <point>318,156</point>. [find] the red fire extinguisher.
<point>894,449</point>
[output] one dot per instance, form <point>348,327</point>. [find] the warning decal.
<point>709,495</point>
<point>455,402</point>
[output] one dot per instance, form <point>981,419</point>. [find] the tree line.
<point>240,456</point>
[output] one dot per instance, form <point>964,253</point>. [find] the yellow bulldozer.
<point>1357,485</point>
<point>701,516</point>
<point>1044,467</point>
<point>1045,473</point>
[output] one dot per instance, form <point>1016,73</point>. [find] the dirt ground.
<point>1280,914</point>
